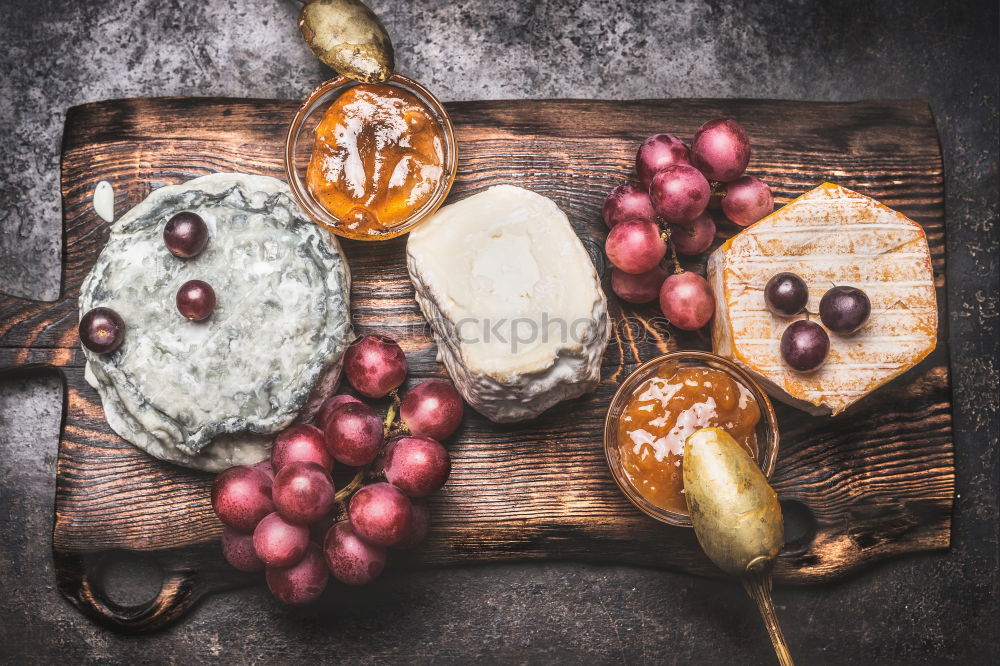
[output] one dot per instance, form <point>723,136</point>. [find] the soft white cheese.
<point>513,299</point>
<point>828,236</point>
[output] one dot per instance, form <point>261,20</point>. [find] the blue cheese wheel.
<point>212,394</point>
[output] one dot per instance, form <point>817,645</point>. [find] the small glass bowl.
<point>767,428</point>
<point>302,137</point>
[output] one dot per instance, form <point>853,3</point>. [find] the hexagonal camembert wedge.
<point>828,236</point>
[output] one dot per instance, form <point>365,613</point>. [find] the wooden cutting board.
<point>874,482</point>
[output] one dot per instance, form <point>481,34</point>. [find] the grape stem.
<point>717,189</point>
<point>390,414</point>
<point>345,493</point>
<point>392,424</point>
<point>665,234</point>
<point>341,514</point>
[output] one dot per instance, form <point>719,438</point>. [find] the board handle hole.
<point>128,580</point>
<point>800,528</point>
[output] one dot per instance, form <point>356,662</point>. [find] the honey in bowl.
<point>663,411</point>
<point>377,158</point>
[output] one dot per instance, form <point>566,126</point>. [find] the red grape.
<point>279,543</point>
<point>804,345</point>
<point>351,559</point>
<point>786,294</point>
<point>354,434</point>
<point>328,407</point>
<point>196,300</point>
<point>417,465</point>
<point>679,193</point>
<point>241,496</point>
<point>185,235</point>
<point>432,408</point>
<point>657,153</point>
<point>102,330</point>
<point>687,301</point>
<point>637,288</point>
<point>695,237</point>
<point>747,200</point>
<point>721,150</point>
<point>301,443</point>
<point>237,548</point>
<point>381,514</point>
<point>635,246</point>
<point>300,583</point>
<point>627,202</point>
<point>375,365</point>
<point>845,309</point>
<point>303,492</point>
<point>418,526</point>
<point>265,467</point>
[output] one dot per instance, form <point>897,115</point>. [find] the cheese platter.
<point>870,483</point>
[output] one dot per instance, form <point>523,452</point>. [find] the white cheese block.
<point>828,236</point>
<point>515,304</point>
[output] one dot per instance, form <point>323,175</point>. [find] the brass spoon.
<point>736,517</point>
<point>349,37</point>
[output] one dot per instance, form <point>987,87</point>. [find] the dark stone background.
<point>923,609</point>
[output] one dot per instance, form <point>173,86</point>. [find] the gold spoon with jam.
<point>736,517</point>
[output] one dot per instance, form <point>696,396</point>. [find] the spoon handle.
<point>759,588</point>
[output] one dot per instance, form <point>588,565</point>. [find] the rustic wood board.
<point>874,482</point>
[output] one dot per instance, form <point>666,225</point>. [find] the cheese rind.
<point>513,299</point>
<point>828,236</point>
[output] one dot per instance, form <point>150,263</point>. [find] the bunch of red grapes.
<point>284,515</point>
<point>669,207</point>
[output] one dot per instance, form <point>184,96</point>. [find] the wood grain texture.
<point>878,480</point>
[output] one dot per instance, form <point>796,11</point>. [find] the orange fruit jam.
<point>666,409</point>
<point>378,157</point>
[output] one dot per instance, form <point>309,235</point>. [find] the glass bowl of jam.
<point>663,402</point>
<point>370,161</point>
